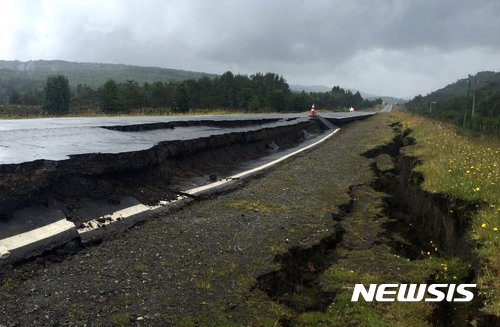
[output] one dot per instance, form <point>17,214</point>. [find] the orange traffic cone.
<point>312,111</point>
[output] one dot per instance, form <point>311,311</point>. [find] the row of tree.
<point>250,93</point>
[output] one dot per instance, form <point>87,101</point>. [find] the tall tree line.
<point>252,93</point>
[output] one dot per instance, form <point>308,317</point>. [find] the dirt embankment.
<point>142,174</point>
<point>429,221</point>
<point>434,217</point>
<point>431,216</point>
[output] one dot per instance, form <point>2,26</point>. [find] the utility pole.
<point>466,104</point>
<point>474,96</point>
<point>430,106</point>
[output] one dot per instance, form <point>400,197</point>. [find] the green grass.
<point>258,206</point>
<point>120,319</point>
<point>468,168</point>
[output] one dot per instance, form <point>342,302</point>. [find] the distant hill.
<point>365,95</point>
<point>322,88</point>
<point>484,79</point>
<point>309,88</point>
<point>92,74</point>
<point>388,100</point>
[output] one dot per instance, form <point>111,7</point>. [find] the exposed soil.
<point>181,123</point>
<point>301,268</point>
<point>419,216</point>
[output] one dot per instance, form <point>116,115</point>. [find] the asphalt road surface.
<point>26,140</point>
<point>388,108</point>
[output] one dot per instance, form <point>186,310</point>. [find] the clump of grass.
<point>467,168</point>
<point>258,206</point>
<point>140,267</point>
<point>120,319</point>
<point>204,282</point>
<point>187,322</point>
<point>384,162</point>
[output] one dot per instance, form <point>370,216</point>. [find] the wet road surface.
<point>388,108</point>
<point>26,140</point>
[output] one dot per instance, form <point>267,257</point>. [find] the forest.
<point>259,92</point>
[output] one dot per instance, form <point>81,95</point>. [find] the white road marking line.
<point>115,216</point>
<point>124,213</point>
<point>128,212</point>
<point>4,253</point>
<point>248,172</point>
<point>35,235</point>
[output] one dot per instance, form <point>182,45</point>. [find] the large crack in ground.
<point>406,225</point>
<point>198,265</point>
<point>185,123</point>
<point>297,284</point>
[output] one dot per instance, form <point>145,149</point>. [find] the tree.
<point>132,95</point>
<point>276,100</point>
<point>302,102</point>
<point>109,97</point>
<point>357,100</point>
<point>181,99</point>
<point>84,95</point>
<point>15,97</point>
<point>57,95</point>
<point>254,104</point>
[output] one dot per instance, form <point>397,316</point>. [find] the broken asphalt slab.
<point>30,231</point>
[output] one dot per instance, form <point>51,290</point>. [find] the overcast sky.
<point>397,48</point>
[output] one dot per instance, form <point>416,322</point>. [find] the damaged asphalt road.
<point>199,266</point>
<point>26,140</point>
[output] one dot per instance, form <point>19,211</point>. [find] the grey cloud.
<point>306,41</point>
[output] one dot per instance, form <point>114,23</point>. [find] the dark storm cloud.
<point>387,47</point>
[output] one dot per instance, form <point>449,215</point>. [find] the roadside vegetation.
<point>467,168</point>
<point>455,102</point>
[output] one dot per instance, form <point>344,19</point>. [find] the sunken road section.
<point>62,182</point>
